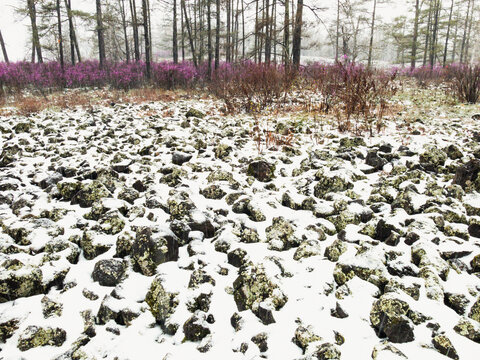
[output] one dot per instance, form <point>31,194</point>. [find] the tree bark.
<point>60,37</point>
<point>101,39</point>
<point>338,30</point>
<point>146,32</point>
<point>286,34</point>
<point>136,40</point>
<point>35,37</point>
<point>121,4</point>
<point>73,36</point>
<point>467,46</point>
<point>4,49</point>
<point>209,40</point>
<point>464,37</point>
<point>217,36</point>
<point>448,35</point>
<point>297,34</point>
<point>372,29</point>
<point>175,33</point>
<point>415,35</point>
<point>189,31</point>
<point>268,39</point>
<point>427,39</point>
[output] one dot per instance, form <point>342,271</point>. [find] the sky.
<point>15,28</point>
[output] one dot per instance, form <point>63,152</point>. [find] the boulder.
<point>35,336</point>
<point>109,272</point>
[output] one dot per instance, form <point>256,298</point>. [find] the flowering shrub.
<point>21,75</point>
<point>464,80</point>
<point>251,86</point>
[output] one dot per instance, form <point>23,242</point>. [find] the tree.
<point>175,33</point>
<point>297,34</point>
<point>372,29</point>
<point>136,40</point>
<point>449,24</point>
<point>121,6</point>
<point>217,35</point>
<point>35,37</point>
<point>189,30</point>
<point>286,34</point>
<point>209,42</point>
<point>146,34</point>
<point>4,49</point>
<point>73,36</point>
<point>60,37</point>
<point>100,30</point>
<point>415,34</point>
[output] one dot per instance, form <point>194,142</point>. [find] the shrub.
<point>464,81</point>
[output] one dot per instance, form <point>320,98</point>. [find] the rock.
<point>389,318</point>
<point>339,312</point>
<point>280,235</point>
<point>475,311</point>
<point>236,321</point>
<point>50,307</point>
<point>111,309</point>
<point>194,113</point>
<point>453,152</point>
<point>237,257</point>
<point>444,346</point>
<point>264,311</point>
<point>469,329</point>
<point>467,175</point>
<point>199,277</point>
<point>252,286</point>
<point>307,249</point>
<point>124,245</point>
<point>328,184</point>
<point>213,192</point>
<point>90,249</point>
<point>375,161</point>
<point>261,170</point>
<point>328,351</point>
<point>7,329</point>
<point>195,328</point>
<point>151,249</point>
<point>303,337</point>
<point>179,158</point>
<point>245,206</point>
<point>347,142</point>
<point>17,285</point>
<point>128,194</point>
<point>389,350</point>
<point>222,151</point>
<point>335,250</point>
<point>160,302</point>
<point>111,223</point>
<point>35,336</point>
<point>69,249</point>
<point>201,302</point>
<point>457,302</point>
<point>89,193</point>
<point>474,230</point>
<point>433,158</point>
<point>109,272</point>
<point>261,341</point>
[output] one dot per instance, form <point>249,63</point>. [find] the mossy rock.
<point>24,284</point>
<point>162,304</point>
<point>35,336</point>
<point>433,158</point>
<point>194,113</point>
<point>89,193</point>
<point>327,184</point>
<point>261,170</point>
<point>444,346</point>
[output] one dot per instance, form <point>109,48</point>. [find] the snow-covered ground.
<point>136,232</point>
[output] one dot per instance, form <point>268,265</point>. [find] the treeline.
<point>212,31</point>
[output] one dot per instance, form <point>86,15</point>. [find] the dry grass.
<point>28,104</point>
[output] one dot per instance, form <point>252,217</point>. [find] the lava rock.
<point>109,272</point>
<point>35,336</point>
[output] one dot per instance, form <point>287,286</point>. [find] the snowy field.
<point>156,232</point>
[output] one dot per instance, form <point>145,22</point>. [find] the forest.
<point>240,179</point>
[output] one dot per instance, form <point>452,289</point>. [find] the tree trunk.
<point>427,39</point>
<point>286,34</point>
<point>146,33</point>
<point>464,37</point>
<point>183,33</point>
<point>338,30</point>
<point>415,35</point>
<point>467,47</point>
<point>189,31</point>
<point>243,29</point>
<point>73,36</point>
<point>217,36</point>
<point>448,35</point>
<point>60,37</point>
<point>101,39</point>
<point>35,38</point>
<point>255,49</point>
<point>227,53</point>
<point>175,35</point>
<point>136,40</point>
<point>268,39</point>
<point>372,29</point>
<point>4,49</point>
<point>434,32</point>
<point>121,4</point>
<point>455,35</point>
<point>209,40</point>
<point>297,34</point>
